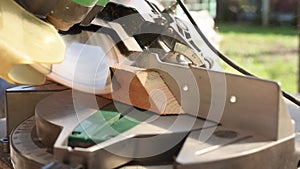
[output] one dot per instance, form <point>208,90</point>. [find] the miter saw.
<point>140,87</point>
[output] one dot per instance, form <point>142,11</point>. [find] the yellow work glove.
<point>26,41</point>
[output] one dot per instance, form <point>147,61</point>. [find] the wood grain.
<point>144,89</point>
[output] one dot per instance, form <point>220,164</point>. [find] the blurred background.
<point>260,35</point>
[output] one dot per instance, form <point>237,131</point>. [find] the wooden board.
<point>143,89</point>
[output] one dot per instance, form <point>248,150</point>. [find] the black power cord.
<point>224,57</point>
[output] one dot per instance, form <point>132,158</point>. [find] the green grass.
<point>269,52</point>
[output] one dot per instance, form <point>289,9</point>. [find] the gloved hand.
<point>26,41</point>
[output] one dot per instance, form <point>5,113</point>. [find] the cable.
<point>224,57</point>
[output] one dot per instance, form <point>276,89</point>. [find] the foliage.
<point>269,52</point>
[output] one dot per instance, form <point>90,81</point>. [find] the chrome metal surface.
<point>130,43</point>
<point>25,152</point>
<point>169,131</point>
<point>234,101</point>
<point>240,150</point>
<point>226,148</point>
<point>21,102</point>
<point>189,53</point>
<point>28,154</point>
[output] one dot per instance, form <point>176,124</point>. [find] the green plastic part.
<point>102,2</point>
<point>86,3</point>
<point>87,131</point>
<point>105,124</point>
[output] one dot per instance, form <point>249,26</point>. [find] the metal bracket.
<point>234,101</point>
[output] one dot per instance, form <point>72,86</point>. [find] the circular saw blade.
<point>86,65</point>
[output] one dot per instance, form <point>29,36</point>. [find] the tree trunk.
<point>298,25</point>
<point>265,12</point>
<point>220,10</point>
<point>258,11</point>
